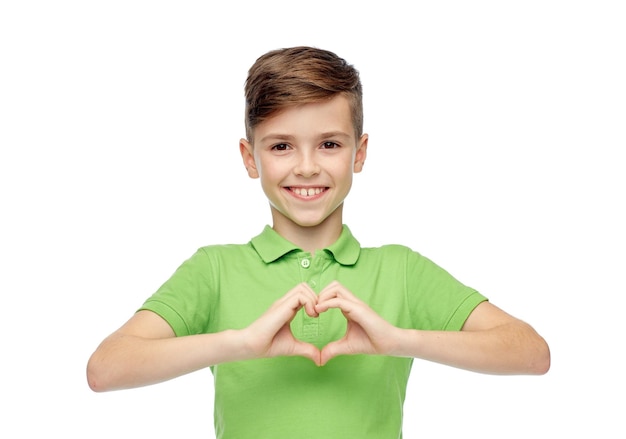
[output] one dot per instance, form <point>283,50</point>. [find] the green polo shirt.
<point>229,286</point>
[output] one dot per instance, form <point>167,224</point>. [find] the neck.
<point>310,238</point>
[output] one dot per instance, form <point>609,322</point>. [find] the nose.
<point>307,165</point>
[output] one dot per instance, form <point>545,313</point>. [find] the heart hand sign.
<point>366,331</point>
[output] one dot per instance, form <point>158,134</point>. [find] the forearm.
<point>511,348</point>
<point>126,361</point>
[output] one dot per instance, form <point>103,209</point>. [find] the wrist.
<point>403,342</point>
<point>245,347</point>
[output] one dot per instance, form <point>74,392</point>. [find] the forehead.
<point>310,119</point>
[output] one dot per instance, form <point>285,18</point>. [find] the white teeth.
<point>303,192</point>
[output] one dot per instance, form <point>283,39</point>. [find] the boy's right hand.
<point>270,335</point>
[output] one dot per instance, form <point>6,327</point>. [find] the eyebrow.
<point>289,137</point>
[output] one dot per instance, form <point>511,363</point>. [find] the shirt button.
<point>305,263</point>
<point>312,283</point>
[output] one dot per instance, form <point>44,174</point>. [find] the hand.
<point>366,333</point>
<point>270,335</point>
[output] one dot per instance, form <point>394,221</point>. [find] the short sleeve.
<point>186,299</point>
<point>437,300</point>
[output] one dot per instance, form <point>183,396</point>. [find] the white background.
<point>497,134</point>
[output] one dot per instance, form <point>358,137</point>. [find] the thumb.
<point>307,350</point>
<point>332,350</point>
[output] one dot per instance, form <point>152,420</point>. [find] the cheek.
<point>341,168</point>
<point>269,173</point>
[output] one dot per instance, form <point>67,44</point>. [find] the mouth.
<point>307,192</point>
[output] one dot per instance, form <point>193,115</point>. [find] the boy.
<point>318,338</point>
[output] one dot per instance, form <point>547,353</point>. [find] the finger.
<point>335,289</point>
<point>354,311</point>
<point>332,350</point>
<point>298,297</point>
<point>281,313</point>
<point>334,302</point>
<point>342,299</point>
<point>307,350</point>
<point>308,301</point>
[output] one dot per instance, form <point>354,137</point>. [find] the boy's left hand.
<point>366,333</point>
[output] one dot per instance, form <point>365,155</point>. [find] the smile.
<point>307,192</point>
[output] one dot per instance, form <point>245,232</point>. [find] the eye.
<point>330,145</point>
<point>280,147</point>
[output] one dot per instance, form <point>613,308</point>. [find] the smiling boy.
<point>305,157</point>
<point>317,339</point>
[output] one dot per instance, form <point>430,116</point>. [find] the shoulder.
<point>391,257</point>
<point>216,255</point>
<point>241,253</point>
<point>390,251</point>
<point>398,257</point>
<point>224,250</point>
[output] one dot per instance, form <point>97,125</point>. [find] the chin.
<point>306,220</point>
<point>309,222</point>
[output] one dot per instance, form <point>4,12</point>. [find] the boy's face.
<point>305,157</point>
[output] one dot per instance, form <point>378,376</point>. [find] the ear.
<point>247,154</point>
<point>361,153</point>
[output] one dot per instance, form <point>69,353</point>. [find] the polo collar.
<point>271,246</point>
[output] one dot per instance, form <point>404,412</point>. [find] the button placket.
<point>311,272</point>
<point>310,325</point>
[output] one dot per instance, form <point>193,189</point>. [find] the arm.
<point>491,341</point>
<point>145,350</point>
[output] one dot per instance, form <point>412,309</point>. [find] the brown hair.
<point>293,76</point>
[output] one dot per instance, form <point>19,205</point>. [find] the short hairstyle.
<point>293,76</point>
